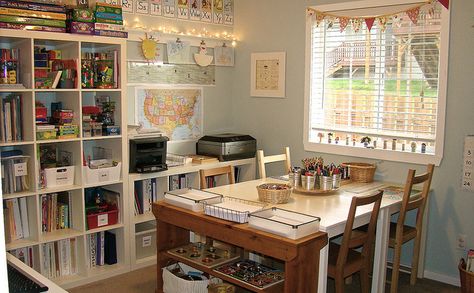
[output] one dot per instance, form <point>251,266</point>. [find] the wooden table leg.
<point>301,269</point>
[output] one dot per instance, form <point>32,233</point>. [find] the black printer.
<point>227,146</point>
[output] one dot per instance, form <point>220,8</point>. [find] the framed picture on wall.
<point>267,76</point>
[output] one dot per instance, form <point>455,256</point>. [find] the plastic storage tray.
<point>233,209</point>
<point>285,223</point>
<point>191,199</point>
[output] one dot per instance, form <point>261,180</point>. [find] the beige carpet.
<point>142,280</point>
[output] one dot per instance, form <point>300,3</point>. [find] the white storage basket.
<point>94,176</point>
<point>175,284</point>
<point>60,176</point>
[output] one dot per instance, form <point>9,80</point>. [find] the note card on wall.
<point>468,164</point>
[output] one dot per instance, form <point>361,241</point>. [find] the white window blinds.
<point>381,83</point>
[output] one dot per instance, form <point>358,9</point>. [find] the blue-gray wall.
<point>279,25</point>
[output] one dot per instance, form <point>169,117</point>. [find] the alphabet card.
<point>468,164</point>
<point>183,9</point>
<point>155,8</point>
<point>169,8</point>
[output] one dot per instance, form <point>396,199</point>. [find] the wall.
<point>279,25</point>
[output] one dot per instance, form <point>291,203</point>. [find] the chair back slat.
<point>408,202</point>
<point>226,170</point>
<point>262,160</point>
<point>365,241</point>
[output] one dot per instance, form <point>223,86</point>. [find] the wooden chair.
<point>262,160</point>
<point>344,260</point>
<point>401,233</point>
<point>227,170</point>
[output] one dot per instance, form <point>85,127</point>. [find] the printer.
<point>227,146</point>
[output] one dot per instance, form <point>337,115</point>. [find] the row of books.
<point>11,124</point>
<point>101,249</point>
<point>32,16</point>
<point>179,181</point>
<point>56,211</point>
<point>15,213</point>
<point>145,193</point>
<point>14,171</point>
<point>58,258</point>
<point>26,255</point>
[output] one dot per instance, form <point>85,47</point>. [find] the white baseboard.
<point>443,278</point>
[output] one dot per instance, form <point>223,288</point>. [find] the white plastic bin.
<point>94,176</point>
<point>59,176</point>
<point>175,284</point>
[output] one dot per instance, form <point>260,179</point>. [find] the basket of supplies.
<point>361,172</point>
<point>274,193</point>
<point>467,278</point>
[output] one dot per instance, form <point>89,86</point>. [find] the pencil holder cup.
<point>326,182</point>
<point>308,182</point>
<point>294,178</point>
<point>336,181</point>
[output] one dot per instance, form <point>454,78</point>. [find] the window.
<point>386,84</point>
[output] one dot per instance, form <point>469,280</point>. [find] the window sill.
<point>380,154</point>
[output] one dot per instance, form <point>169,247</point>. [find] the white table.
<point>333,209</point>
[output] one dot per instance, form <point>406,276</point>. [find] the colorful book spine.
<point>114,34</point>
<point>109,27</point>
<point>17,26</point>
<point>32,13</point>
<point>32,21</point>
<point>33,6</point>
<point>106,20</point>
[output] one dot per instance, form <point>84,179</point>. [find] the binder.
<point>110,248</point>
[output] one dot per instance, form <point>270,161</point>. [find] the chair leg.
<point>364,280</point>
<point>339,281</point>
<point>415,259</point>
<point>396,268</point>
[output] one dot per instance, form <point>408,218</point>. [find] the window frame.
<point>381,154</point>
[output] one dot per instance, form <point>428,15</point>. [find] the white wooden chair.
<point>262,160</point>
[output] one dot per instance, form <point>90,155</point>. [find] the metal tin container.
<point>294,178</point>
<point>308,182</point>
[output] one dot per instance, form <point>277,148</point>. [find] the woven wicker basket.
<point>467,278</point>
<point>269,193</point>
<point>361,172</point>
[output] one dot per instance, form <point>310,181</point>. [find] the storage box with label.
<point>102,218</point>
<point>102,175</point>
<point>14,172</point>
<point>145,239</point>
<point>59,176</point>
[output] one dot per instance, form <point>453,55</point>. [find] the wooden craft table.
<point>300,257</point>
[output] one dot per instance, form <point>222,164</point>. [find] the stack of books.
<point>15,213</point>
<point>145,193</point>
<point>56,211</point>
<point>11,122</point>
<point>25,15</point>
<point>58,258</point>
<point>26,255</point>
<point>101,249</point>
<point>109,21</point>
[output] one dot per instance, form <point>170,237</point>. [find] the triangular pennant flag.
<point>369,22</point>
<point>445,3</point>
<point>413,14</point>
<point>356,24</point>
<point>343,22</point>
<point>382,22</point>
<point>319,17</point>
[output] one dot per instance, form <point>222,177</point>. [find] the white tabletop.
<point>332,208</point>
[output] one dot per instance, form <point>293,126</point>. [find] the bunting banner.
<point>381,20</point>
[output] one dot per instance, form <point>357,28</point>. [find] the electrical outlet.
<point>461,241</point>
